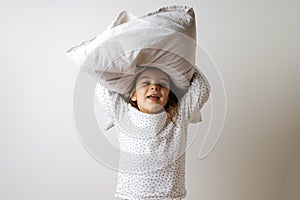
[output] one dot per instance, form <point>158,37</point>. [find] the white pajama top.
<point>152,148</point>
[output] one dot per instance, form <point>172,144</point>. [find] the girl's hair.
<point>172,104</point>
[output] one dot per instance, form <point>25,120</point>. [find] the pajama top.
<point>152,148</point>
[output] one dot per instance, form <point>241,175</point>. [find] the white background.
<point>255,45</point>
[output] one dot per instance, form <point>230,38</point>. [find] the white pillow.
<point>165,39</point>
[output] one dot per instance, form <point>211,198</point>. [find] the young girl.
<point>153,132</point>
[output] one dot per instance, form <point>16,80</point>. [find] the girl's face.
<point>151,91</point>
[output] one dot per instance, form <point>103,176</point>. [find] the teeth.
<point>153,96</point>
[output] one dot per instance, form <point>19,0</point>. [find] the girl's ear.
<point>133,96</point>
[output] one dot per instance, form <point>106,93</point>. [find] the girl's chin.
<point>154,109</point>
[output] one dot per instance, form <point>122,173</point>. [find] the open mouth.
<point>153,97</point>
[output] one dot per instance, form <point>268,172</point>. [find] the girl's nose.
<point>155,86</point>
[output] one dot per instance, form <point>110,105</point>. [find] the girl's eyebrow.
<point>143,77</point>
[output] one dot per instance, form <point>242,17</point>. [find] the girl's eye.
<point>162,85</point>
<point>146,83</point>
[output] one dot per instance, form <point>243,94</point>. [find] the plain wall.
<point>292,179</point>
<point>255,45</point>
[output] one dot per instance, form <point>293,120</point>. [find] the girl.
<point>153,130</point>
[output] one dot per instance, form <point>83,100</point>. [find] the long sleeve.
<point>194,99</point>
<point>112,103</point>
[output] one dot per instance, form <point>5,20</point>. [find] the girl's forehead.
<point>153,73</point>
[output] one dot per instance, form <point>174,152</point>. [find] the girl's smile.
<point>151,91</point>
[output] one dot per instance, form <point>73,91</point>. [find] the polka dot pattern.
<point>152,148</point>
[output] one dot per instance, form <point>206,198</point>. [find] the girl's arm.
<point>113,104</point>
<point>196,96</point>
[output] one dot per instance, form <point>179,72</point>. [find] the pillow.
<point>165,39</point>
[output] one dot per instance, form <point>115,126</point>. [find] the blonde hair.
<point>172,103</point>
